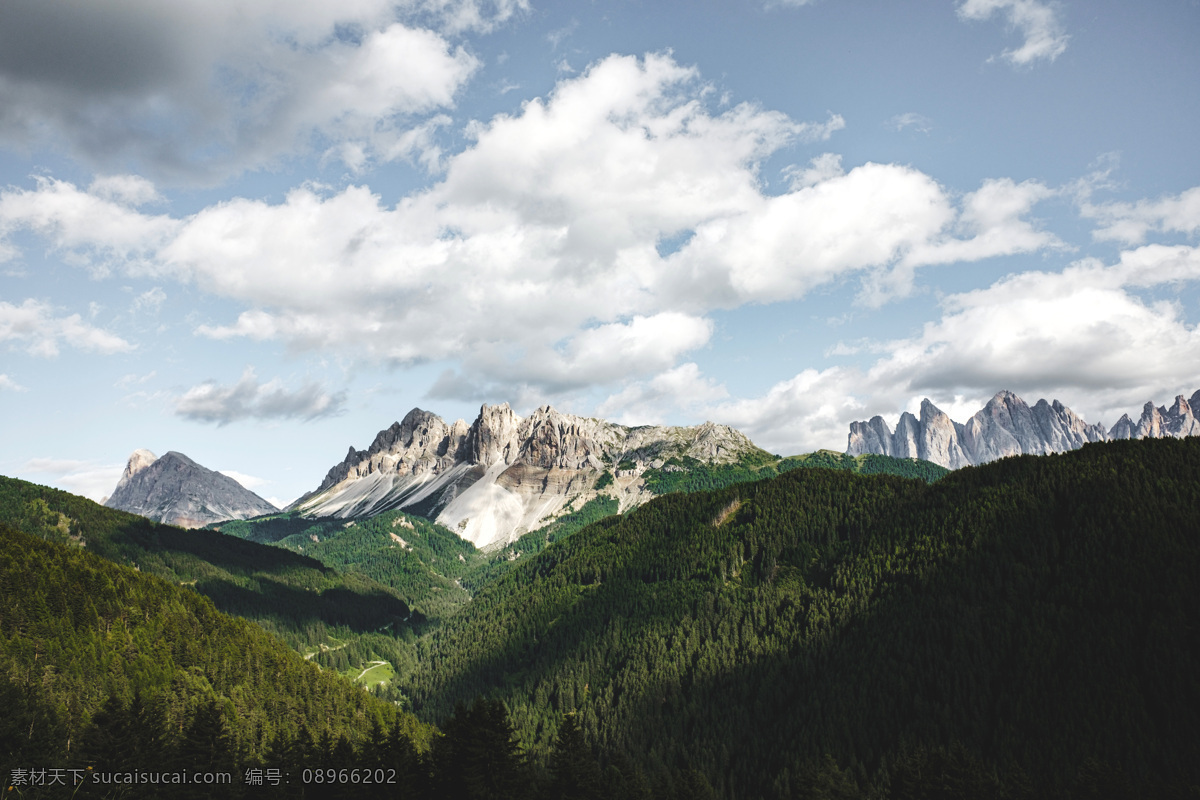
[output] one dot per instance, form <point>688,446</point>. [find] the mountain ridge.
<point>503,474</point>
<point>1008,426</point>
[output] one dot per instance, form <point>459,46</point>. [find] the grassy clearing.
<point>373,674</point>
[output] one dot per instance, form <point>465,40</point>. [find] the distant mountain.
<point>504,475</point>
<point>1008,426</point>
<point>178,491</point>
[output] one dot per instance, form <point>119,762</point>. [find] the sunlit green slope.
<point>96,658</point>
<point>292,595</point>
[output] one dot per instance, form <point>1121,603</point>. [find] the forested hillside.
<point>1025,628</point>
<point>106,668</point>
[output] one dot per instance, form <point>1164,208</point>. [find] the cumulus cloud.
<point>1082,335</point>
<point>1037,21</point>
<point>580,241</point>
<point>195,89</point>
<point>34,325</point>
<point>1080,329</point>
<point>250,399</point>
<point>97,227</point>
<point>654,401</point>
<point>1129,223</point>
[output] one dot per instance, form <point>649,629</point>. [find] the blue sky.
<point>257,233</point>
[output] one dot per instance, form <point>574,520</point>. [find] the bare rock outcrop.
<point>178,491</point>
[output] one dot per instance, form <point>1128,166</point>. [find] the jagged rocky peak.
<point>504,474</point>
<point>1007,426</point>
<point>178,491</point>
<point>1124,429</point>
<point>1155,422</point>
<point>493,436</point>
<point>1181,417</point>
<point>419,443</point>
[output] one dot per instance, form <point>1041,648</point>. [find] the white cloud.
<point>992,223</point>
<point>654,401</point>
<point>1129,223</point>
<point>1078,329</point>
<point>128,190</point>
<point>536,262</point>
<point>199,89</point>
<point>98,227</point>
<point>32,323</point>
<point>917,122</point>
<point>7,384</point>
<point>86,478</point>
<point>810,411</point>
<point>1080,335</point>
<point>1037,21</point>
<point>249,399</point>
<point>150,300</point>
<point>824,167</point>
<point>458,16</point>
<point>133,379</point>
<point>417,145</point>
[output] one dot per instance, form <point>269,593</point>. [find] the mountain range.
<point>504,475</point>
<point>178,491</point>
<point>1023,629</point>
<point>1008,426</point>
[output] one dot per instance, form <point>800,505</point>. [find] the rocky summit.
<point>504,474</point>
<point>1008,426</point>
<point>178,491</point>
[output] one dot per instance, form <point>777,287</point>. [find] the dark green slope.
<point>294,596</point>
<point>80,635</point>
<point>1039,614</point>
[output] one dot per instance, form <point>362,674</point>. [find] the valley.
<point>756,629</point>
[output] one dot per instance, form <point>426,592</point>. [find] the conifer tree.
<point>478,757</point>
<point>575,775</point>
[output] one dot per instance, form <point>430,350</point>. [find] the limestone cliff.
<point>1008,426</point>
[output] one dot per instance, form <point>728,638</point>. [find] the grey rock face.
<point>178,491</point>
<point>1124,429</point>
<point>1155,423</point>
<point>1007,426</point>
<point>941,438</point>
<point>504,474</point>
